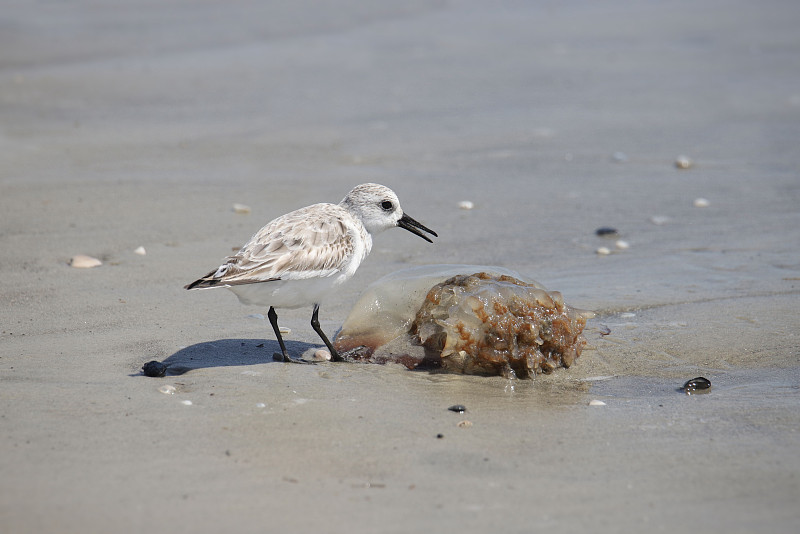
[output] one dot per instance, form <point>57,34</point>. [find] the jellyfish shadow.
<point>229,353</point>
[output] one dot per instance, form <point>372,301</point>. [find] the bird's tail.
<point>204,282</point>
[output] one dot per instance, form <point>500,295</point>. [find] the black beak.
<point>415,228</point>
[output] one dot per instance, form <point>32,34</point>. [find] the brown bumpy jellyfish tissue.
<point>467,319</point>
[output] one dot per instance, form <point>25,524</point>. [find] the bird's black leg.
<point>273,320</point>
<point>315,325</point>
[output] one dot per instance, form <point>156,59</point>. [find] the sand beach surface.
<point>141,124</point>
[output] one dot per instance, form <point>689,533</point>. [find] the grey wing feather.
<point>305,243</point>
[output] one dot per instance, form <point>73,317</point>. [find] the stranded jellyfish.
<point>463,319</point>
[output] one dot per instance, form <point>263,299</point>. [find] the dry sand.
<point>141,124</point>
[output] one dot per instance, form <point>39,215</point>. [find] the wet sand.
<point>132,126</point>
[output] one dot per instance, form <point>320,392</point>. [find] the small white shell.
<point>596,402</point>
<point>186,402</point>
<point>322,355</point>
<point>167,389</point>
<point>260,405</point>
<point>466,205</point>
<point>241,208</point>
<point>82,261</point>
<point>140,251</point>
<point>284,331</point>
<point>603,251</point>
<point>659,220</point>
<point>701,203</point>
<point>622,245</point>
<point>683,162</point>
<point>464,424</point>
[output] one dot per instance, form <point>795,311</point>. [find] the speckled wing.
<point>311,242</point>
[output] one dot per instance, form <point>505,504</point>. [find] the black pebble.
<point>606,231</point>
<point>696,384</point>
<point>458,408</point>
<point>439,436</point>
<point>154,369</point>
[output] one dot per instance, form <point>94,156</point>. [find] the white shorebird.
<point>299,258</point>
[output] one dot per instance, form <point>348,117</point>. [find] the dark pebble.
<point>697,385</point>
<point>154,369</point>
<point>439,436</point>
<point>458,408</point>
<point>604,231</point>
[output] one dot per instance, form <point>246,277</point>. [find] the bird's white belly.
<point>288,293</point>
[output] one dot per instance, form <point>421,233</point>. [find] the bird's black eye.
<point>387,205</point>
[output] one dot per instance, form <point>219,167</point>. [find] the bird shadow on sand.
<point>229,352</point>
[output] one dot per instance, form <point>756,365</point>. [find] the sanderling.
<point>299,258</point>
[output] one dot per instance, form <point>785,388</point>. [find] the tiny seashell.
<point>154,369</point>
<point>596,402</point>
<point>284,331</point>
<point>466,205</point>
<point>701,203</point>
<point>622,245</point>
<point>167,389</point>
<point>186,402</point>
<point>464,424</point>
<point>82,261</point>
<point>322,355</point>
<point>697,385</point>
<point>659,220</point>
<point>627,315</point>
<point>683,162</point>
<point>603,251</point>
<point>260,405</point>
<point>140,251</point>
<point>241,208</point>
<point>606,231</point>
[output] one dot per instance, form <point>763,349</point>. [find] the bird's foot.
<point>278,357</point>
